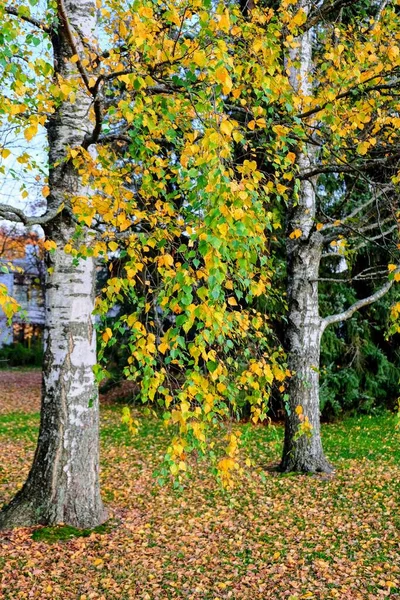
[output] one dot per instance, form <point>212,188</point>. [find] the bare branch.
<point>331,255</point>
<point>376,224</point>
<point>12,214</point>
<point>369,274</point>
<point>324,11</point>
<point>346,314</point>
<point>381,235</point>
<point>16,215</point>
<point>359,209</point>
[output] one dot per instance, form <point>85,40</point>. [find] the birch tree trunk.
<point>63,484</point>
<point>303,452</point>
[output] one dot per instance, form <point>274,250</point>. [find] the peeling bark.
<point>303,343</point>
<point>303,333</point>
<point>63,483</point>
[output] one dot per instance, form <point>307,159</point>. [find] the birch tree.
<point>178,148</point>
<point>332,91</point>
<point>63,483</point>
<point>139,165</point>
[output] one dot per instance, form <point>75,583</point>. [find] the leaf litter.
<point>272,536</point>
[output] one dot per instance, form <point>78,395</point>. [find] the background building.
<point>24,280</point>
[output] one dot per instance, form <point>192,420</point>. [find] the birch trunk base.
<point>63,483</point>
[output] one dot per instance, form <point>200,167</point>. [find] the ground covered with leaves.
<point>274,536</point>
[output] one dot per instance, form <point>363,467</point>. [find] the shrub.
<point>18,355</point>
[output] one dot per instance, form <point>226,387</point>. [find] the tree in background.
<point>319,97</point>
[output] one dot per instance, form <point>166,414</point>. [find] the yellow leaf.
<point>281,188</point>
<point>296,234</point>
<point>30,132</point>
<point>98,562</point>
<point>50,245</point>
<point>222,75</point>
<point>319,226</point>
<point>258,44</point>
<point>299,410</point>
<point>397,277</point>
<point>163,347</point>
<point>45,191</point>
<point>291,157</point>
<point>393,52</point>
<point>362,148</point>
<point>5,153</point>
<point>113,246</point>
<point>232,301</point>
<point>107,335</point>
<point>224,22</point>
<point>226,127</point>
<point>66,89</point>
<point>299,18</point>
<point>392,267</point>
<point>87,219</point>
<point>168,260</point>
<point>174,469</point>
<point>199,58</point>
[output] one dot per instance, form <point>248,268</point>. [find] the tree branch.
<point>346,314</point>
<point>31,20</point>
<point>349,167</point>
<point>70,38</point>
<point>323,11</point>
<point>351,91</point>
<point>16,215</point>
<point>381,235</point>
<point>359,209</point>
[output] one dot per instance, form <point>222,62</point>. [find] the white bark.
<point>63,484</point>
<point>303,335</point>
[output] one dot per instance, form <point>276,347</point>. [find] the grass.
<point>362,437</point>
<point>66,532</point>
<point>273,536</point>
<point>20,425</point>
